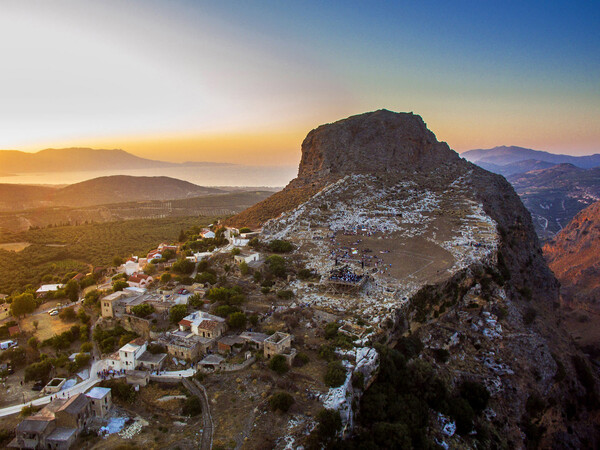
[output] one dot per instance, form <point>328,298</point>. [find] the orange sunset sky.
<point>244,82</point>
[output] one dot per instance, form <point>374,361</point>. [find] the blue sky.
<point>210,80</point>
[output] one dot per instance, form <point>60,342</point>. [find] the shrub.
<point>38,371</point>
<point>86,347</point>
<point>235,251</point>
<point>142,310</point>
<point>67,315</point>
<point>177,312</point>
<point>358,380</point>
<point>529,316</point>
<point>184,266</point>
<point>165,278</point>
<point>192,406</point>
<point>329,423</point>
<point>281,401</point>
<point>120,285</point>
<point>463,415</point>
<point>304,274</point>
<point>335,375</point>
<point>206,277</point>
<point>286,294</point>
<point>237,320</point>
<point>33,342</point>
<point>120,390</point>
<point>327,352</point>
<point>276,265</point>
<point>82,360</point>
<point>301,359</point>
<point>244,269</point>
<point>476,394</point>
<point>331,330</point>
<point>441,355</point>
<point>278,364</point>
<point>280,246</point>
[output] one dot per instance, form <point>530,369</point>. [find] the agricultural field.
<point>56,251</point>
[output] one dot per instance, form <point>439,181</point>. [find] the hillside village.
<point>219,302</point>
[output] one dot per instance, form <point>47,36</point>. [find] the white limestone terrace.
<point>403,211</point>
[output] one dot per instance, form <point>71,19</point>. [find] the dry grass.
<point>48,326</point>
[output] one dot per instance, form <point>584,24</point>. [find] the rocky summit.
<point>420,244</point>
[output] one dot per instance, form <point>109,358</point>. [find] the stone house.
<point>279,344</point>
<point>100,400</point>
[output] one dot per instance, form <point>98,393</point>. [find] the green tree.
<point>22,304</point>
<point>150,269</point>
<point>120,285</point>
<point>177,312</point>
<point>67,315</point>
<point>329,423</point>
<point>244,269</point>
<point>276,265</point>
<point>38,371</point>
<point>280,246</point>
<point>142,310</point>
<point>335,375</point>
<point>278,364</point>
<point>192,406</point>
<point>165,278</point>
<point>281,401</point>
<point>237,320</point>
<point>235,251</point>
<point>206,277</point>
<point>82,360</point>
<point>117,261</point>
<point>184,266</point>
<point>33,342</point>
<point>72,290</point>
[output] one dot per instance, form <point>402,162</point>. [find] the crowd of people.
<point>106,373</point>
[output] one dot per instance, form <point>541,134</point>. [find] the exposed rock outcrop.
<point>384,179</point>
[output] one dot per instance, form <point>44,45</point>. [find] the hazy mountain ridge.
<point>98,191</point>
<point>506,155</point>
<point>82,159</point>
<point>555,195</point>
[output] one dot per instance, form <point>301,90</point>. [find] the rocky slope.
<point>574,257</point>
<point>449,254</point>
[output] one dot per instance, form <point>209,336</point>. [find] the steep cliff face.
<point>377,142</point>
<point>451,256</point>
<point>373,143</point>
<point>574,256</point>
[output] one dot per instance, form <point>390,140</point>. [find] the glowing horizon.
<point>195,81</point>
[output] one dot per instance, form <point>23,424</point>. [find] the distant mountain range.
<point>510,160</point>
<point>99,191</point>
<point>555,195</point>
<point>78,159</point>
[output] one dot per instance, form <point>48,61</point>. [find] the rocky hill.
<point>574,257</point>
<point>99,191</point>
<point>434,247</point>
<point>554,195</point>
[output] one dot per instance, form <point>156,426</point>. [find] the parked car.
<point>54,312</point>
